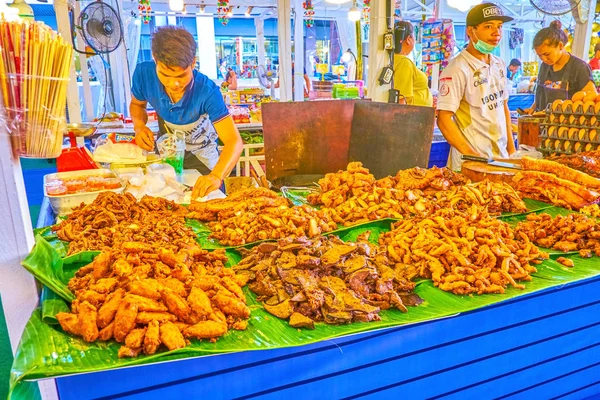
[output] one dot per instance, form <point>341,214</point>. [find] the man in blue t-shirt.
<point>188,103</point>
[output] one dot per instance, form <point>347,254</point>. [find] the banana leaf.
<point>532,206</point>
<point>50,305</point>
<point>46,351</point>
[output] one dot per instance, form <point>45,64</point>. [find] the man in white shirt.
<point>472,103</point>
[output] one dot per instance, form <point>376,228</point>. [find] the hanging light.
<point>176,5</point>
<point>354,13</point>
<point>230,13</point>
<point>201,9</point>
<point>184,11</point>
<point>249,12</point>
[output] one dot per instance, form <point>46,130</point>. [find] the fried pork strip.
<point>561,171</point>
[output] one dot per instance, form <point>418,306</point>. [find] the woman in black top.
<point>561,74</point>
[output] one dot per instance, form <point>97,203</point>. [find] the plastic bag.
<point>526,151</point>
<point>114,147</point>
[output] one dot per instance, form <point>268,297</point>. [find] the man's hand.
<point>144,138</point>
<point>205,184</point>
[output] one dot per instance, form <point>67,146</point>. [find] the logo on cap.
<point>492,11</point>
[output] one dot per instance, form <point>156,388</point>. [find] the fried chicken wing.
<point>176,304</point>
<point>135,338</point>
<point>206,330</point>
<point>231,305</point>
<point>104,285</point>
<point>171,337</point>
<point>107,332</point>
<point>199,302</point>
<point>125,319</point>
<point>125,351</point>
<point>102,265</point>
<point>146,288</point>
<point>152,337</point>
<point>145,304</point>
<point>69,322</point>
<point>88,327</point>
<point>107,311</point>
<point>144,317</point>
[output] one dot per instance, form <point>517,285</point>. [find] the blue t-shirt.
<point>203,97</point>
<point>187,117</point>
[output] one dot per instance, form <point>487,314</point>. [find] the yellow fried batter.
<point>88,327</point>
<point>152,337</point>
<point>68,322</point>
<point>206,330</point>
<point>176,304</point>
<point>231,305</point>
<point>144,317</point>
<point>108,310</point>
<point>107,332</point>
<point>146,288</point>
<point>125,319</point>
<point>199,302</point>
<point>171,336</point>
<point>135,338</point>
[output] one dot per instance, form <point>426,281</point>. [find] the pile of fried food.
<point>354,196</point>
<point>325,279</point>
<point>574,232</point>
<point>258,214</point>
<point>551,182</point>
<point>113,218</point>
<point>144,295</point>
<point>462,252</point>
<point>588,162</point>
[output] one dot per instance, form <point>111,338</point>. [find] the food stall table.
<point>537,346</point>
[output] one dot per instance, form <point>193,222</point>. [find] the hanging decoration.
<point>309,13</point>
<point>145,9</point>
<point>366,12</point>
<point>223,11</point>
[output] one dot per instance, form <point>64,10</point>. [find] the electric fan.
<point>555,7</point>
<point>265,78</point>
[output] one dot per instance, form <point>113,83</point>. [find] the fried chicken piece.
<point>231,284</point>
<point>135,338</point>
<point>175,285</point>
<point>87,322</point>
<point>152,337</point>
<point>107,312</point>
<point>161,270</point>
<point>176,304</point>
<point>206,330</point>
<point>104,285</point>
<point>102,264</point>
<point>144,317</point>
<point>107,332</point>
<point>231,305</point>
<point>125,318</point>
<point>69,322</point>
<point>122,268</point>
<point>199,302</point>
<point>125,351</point>
<point>182,326</point>
<point>92,297</point>
<point>149,288</point>
<point>136,247</point>
<point>171,336</point>
<point>565,261</point>
<point>145,304</point>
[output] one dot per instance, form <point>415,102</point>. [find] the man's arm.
<point>453,134</point>
<point>510,143</point>
<point>232,150</point>
<point>144,137</point>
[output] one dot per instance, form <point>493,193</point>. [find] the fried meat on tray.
<point>325,279</point>
<point>463,252</point>
<point>165,297</point>
<point>258,214</point>
<point>112,219</point>
<point>574,232</point>
<point>412,192</point>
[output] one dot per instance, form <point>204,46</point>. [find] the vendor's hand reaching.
<point>144,138</point>
<point>205,184</point>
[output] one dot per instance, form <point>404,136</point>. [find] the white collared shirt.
<point>476,92</point>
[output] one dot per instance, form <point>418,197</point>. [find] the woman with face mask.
<point>409,81</point>
<point>561,74</point>
<point>472,104</point>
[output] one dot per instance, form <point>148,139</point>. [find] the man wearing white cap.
<point>472,103</point>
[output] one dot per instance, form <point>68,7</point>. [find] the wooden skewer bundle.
<point>34,72</point>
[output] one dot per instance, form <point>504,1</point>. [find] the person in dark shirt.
<point>595,61</point>
<point>561,74</point>
<point>513,69</point>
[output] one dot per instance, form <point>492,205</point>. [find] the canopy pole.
<point>298,78</point>
<point>584,17</point>
<point>378,57</point>
<point>284,29</point>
